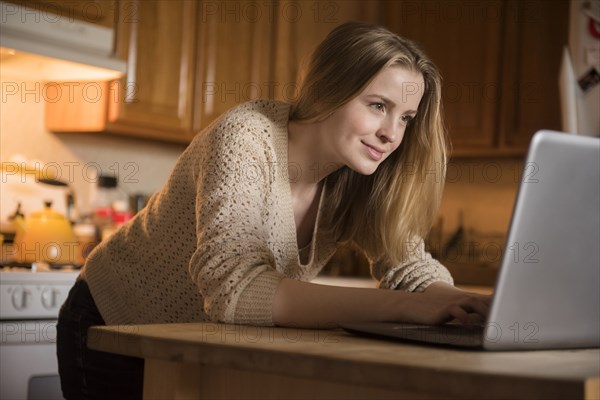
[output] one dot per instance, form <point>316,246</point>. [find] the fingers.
<point>479,305</point>
<point>487,299</point>
<point>459,313</point>
<point>464,309</point>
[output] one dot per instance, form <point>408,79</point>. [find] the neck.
<point>308,158</point>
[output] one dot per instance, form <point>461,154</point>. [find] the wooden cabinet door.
<point>464,40</point>
<point>234,58</point>
<point>158,40</point>
<point>302,25</point>
<point>499,62</point>
<point>536,32</point>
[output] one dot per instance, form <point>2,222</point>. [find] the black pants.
<point>90,374</point>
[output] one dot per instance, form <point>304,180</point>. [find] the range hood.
<point>43,46</point>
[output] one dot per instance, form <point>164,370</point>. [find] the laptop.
<point>547,295</point>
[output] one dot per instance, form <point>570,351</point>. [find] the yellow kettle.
<point>45,235</point>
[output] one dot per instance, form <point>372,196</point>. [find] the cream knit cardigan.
<point>215,242</point>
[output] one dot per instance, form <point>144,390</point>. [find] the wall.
<point>142,166</point>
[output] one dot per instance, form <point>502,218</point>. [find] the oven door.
<point>28,365</point>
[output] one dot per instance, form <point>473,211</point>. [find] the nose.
<point>389,132</point>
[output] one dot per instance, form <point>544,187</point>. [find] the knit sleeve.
<point>232,255</point>
<point>416,273</point>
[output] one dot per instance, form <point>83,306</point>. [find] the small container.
<point>108,202</point>
<point>137,202</point>
<point>86,241</point>
<point>102,206</point>
<point>121,215</point>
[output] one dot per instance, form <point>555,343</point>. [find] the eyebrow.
<point>389,101</point>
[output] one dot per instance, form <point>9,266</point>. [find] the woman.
<point>258,203</point>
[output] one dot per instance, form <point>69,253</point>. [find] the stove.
<point>28,295</point>
<point>30,299</point>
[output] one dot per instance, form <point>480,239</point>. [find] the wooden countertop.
<point>292,361</point>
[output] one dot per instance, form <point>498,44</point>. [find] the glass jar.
<point>110,203</point>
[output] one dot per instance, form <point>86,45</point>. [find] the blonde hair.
<point>388,211</point>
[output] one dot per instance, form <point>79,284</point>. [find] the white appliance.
<point>579,79</point>
<point>29,306</point>
<point>38,44</point>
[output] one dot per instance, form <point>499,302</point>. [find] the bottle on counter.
<point>111,207</point>
<point>121,214</point>
<point>86,235</point>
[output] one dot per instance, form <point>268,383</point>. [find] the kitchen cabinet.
<point>500,64</point>
<point>155,98</point>
<point>234,56</point>
<point>302,26</point>
<point>188,62</point>
<point>253,50</point>
<point>535,34</point>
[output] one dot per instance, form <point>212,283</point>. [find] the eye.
<point>378,106</point>
<point>406,119</point>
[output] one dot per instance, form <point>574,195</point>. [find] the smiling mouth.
<point>374,153</point>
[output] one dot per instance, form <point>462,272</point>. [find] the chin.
<point>364,169</point>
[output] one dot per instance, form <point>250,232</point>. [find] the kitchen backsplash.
<point>142,166</point>
<point>483,191</point>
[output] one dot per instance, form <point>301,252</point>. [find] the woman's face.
<point>365,131</point>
